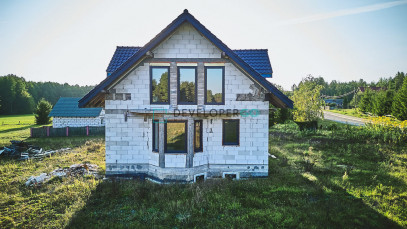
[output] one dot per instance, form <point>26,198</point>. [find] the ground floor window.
<point>175,137</point>
<point>230,134</point>
<point>198,136</point>
<point>156,135</point>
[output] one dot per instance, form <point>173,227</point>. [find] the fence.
<point>49,131</point>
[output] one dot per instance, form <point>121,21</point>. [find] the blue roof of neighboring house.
<point>96,95</point>
<point>338,101</point>
<point>68,107</point>
<point>258,59</point>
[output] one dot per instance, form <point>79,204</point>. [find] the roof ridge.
<point>250,49</point>
<point>126,46</point>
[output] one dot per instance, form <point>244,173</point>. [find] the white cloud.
<point>340,13</point>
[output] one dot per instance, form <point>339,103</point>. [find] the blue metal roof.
<point>258,59</point>
<point>120,56</point>
<point>68,107</point>
<point>185,17</point>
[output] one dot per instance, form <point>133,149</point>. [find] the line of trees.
<point>386,102</point>
<point>18,96</point>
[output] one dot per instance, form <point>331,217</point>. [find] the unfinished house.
<point>185,107</point>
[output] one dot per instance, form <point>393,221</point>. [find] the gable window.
<point>198,136</point>
<point>230,135</point>
<point>159,81</point>
<point>156,135</point>
<point>176,137</point>
<point>187,77</point>
<point>215,85</point>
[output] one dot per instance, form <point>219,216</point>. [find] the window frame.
<point>151,85</point>
<point>179,84</point>
<point>206,84</point>
<point>200,149</point>
<point>186,137</point>
<point>238,133</point>
<point>156,122</point>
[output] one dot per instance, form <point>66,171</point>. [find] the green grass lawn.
<point>15,127</point>
<point>350,112</point>
<point>319,179</point>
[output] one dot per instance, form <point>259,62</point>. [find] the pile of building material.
<point>75,170</point>
<point>23,151</point>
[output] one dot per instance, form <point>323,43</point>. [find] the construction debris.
<point>23,151</point>
<point>74,170</point>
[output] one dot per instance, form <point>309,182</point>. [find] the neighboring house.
<point>186,107</point>
<point>334,102</point>
<point>67,113</point>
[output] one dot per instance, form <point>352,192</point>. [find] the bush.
<point>42,111</point>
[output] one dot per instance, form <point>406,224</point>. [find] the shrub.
<point>42,111</point>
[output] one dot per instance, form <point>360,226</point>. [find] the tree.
<point>382,102</point>
<point>365,104</point>
<point>400,102</point>
<point>42,112</point>
<point>307,101</point>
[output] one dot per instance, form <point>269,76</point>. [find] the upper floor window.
<point>159,81</point>
<point>187,87</point>
<point>215,85</point>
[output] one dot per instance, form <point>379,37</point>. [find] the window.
<point>159,81</point>
<point>215,85</point>
<point>230,135</point>
<point>156,135</point>
<point>176,137</point>
<point>187,85</point>
<point>198,136</point>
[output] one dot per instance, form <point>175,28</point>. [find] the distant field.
<point>15,127</point>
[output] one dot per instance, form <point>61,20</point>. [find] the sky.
<point>73,41</point>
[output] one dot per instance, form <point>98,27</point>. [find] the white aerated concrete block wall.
<point>186,42</point>
<point>60,122</point>
<point>127,142</point>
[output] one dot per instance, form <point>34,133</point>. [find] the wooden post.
<point>31,132</point>
<point>87,130</point>
<point>47,131</point>
<point>67,131</point>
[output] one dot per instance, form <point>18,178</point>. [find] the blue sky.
<point>73,41</point>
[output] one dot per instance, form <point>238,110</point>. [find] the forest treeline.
<point>18,96</point>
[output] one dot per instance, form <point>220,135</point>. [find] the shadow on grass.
<point>286,199</point>
<point>17,129</point>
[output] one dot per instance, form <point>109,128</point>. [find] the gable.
<point>186,42</point>
<point>96,96</point>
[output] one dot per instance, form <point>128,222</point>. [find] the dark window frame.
<point>206,86</point>
<point>238,133</point>
<point>186,137</point>
<point>179,84</point>
<point>156,122</point>
<point>151,85</point>
<point>200,149</point>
